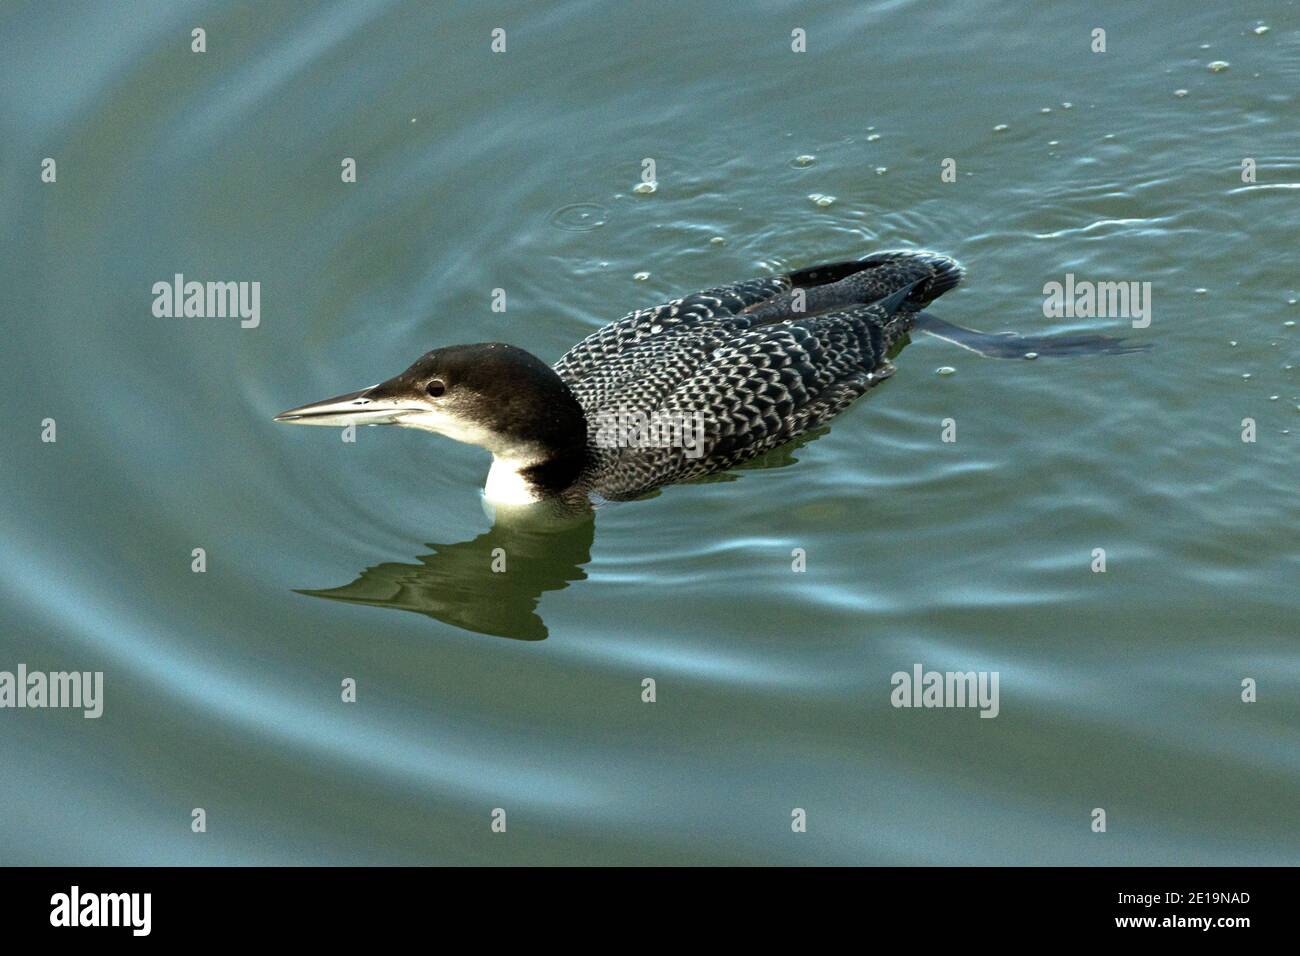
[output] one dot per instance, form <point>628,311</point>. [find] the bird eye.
<point>436,387</point>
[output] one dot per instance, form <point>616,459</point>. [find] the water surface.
<point>479,171</point>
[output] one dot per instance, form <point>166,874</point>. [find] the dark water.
<point>476,171</point>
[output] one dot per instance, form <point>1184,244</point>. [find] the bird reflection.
<point>492,584</point>
<point>488,585</point>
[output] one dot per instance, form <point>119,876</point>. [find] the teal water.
<point>477,171</point>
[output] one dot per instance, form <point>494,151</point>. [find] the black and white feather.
<point>760,362</point>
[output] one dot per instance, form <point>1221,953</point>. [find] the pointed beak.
<point>355,408</point>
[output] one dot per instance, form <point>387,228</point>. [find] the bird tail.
<point>921,276</point>
<point>906,281</point>
<point>880,275</point>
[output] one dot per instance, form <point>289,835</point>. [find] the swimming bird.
<point>667,394</point>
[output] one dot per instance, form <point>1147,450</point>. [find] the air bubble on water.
<point>1053,142</point>
<point>881,170</point>
<point>1045,109</point>
<point>645,189</point>
<point>1245,376</point>
<point>641,276</point>
<point>807,159</point>
<point>945,370</point>
<point>820,199</point>
<point>1201,291</point>
<point>873,137</point>
<point>1261,29</point>
<point>1180,93</point>
<point>579,217</point>
<point>1001,127</point>
<point>1217,66</point>
<point>1274,398</point>
<point>1232,342</point>
<point>1067,106</point>
<point>1289,323</point>
<point>1031,355</point>
<point>717,241</point>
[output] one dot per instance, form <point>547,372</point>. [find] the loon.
<point>754,365</point>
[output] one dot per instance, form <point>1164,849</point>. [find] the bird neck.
<point>549,463</point>
<point>536,476</point>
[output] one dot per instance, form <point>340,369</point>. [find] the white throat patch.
<point>506,485</point>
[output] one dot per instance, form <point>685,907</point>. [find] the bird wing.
<point>746,394</point>
<point>611,353</point>
<point>638,343</point>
